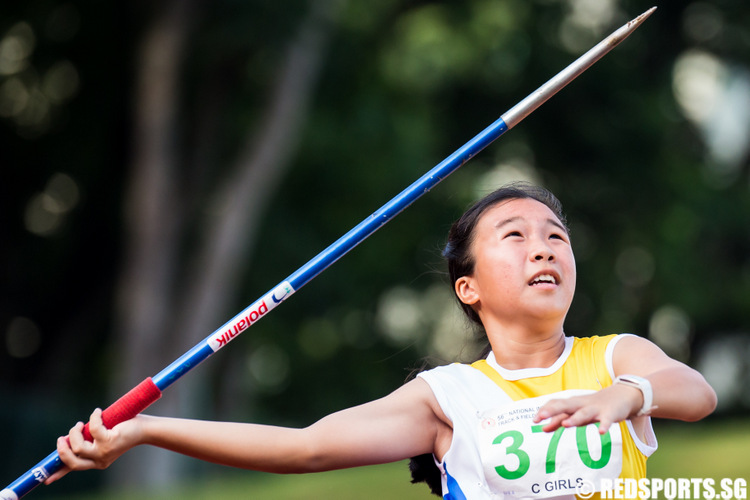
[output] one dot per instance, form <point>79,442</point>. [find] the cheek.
<point>500,277</point>
<point>499,268</point>
<point>571,271</point>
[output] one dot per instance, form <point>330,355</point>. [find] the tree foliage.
<point>648,151</point>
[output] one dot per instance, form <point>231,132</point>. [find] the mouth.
<point>544,278</point>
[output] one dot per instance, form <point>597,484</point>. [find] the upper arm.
<point>406,423</point>
<point>638,356</point>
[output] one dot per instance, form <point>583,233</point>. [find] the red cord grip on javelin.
<point>128,406</point>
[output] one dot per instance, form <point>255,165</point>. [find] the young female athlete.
<point>542,416</point>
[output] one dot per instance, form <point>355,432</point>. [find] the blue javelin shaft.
<point>222,336</point>
<point>327,257</point>
<point>367,227</point>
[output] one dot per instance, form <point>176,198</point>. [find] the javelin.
<point>147,392</point>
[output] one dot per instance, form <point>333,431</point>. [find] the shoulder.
<point>457,387</point>
<point>601,346</point>
<point>454,374</point>
<point>595,354</point>
<point>599,341</point>
<point>452,368</point>
<point>628,345</point>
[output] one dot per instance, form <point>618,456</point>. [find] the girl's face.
<point>524,265</point>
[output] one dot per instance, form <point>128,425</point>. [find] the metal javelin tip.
<point>624,31</point>
<point>521,110</point>
<point>643,16</point>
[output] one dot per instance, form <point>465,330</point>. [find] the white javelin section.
<point>249,316</point>
<point>8,495</point>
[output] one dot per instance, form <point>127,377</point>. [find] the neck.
<point>518,348</point>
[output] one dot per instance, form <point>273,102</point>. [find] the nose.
<point>544,256</point>
<point>543,252</point>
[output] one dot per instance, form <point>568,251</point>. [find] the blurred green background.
<point>164,164</point>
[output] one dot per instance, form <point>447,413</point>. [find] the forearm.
<point>681,393</point>
<point>247,446</point>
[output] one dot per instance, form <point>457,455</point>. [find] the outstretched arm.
<point>679,391</point>
<point>400,425</point>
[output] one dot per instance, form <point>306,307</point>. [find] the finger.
<point>555,422</point>
<point>64,451</point>
<point>556,407</point>
<point>56,476</point>
<point>68,457</point>
<point>604,425</point>
<point>583,416</point>
<point>96,425</point>
<point>545,412</point>
<point>75,437</point>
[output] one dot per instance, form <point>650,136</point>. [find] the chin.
<point>550,314</point>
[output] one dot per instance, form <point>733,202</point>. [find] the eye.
<point>557,236</point>
<point>514,234</point>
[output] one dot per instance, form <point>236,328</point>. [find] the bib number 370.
<point>514,441</point>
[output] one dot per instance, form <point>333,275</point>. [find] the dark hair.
<point>458,251</point>
<point>460,260</point>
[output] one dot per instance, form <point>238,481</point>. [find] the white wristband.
<point>642,385</point>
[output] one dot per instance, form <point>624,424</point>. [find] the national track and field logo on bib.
<point>521,460</point>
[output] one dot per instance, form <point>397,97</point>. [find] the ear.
<point>466,290</point>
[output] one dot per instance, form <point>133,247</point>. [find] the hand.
<point>78,454</point>
<point>608,406</point>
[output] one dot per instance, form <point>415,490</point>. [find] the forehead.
<point>525,210</point>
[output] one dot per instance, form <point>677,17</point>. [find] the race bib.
<point>520,460</point>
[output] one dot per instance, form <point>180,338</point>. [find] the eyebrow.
<point>518,218</point>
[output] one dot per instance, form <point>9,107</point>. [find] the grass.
<point>717,449</point>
